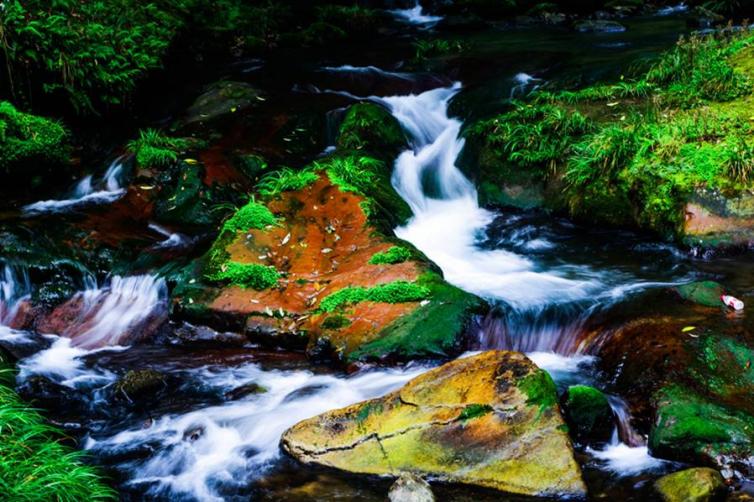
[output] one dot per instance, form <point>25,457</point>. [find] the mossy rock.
<point>463,422</point>
<point>698,484</point>
<point>372,128</point>
<point>140,385</point>
<point>705,293</point>
<point>222,99</point>
<point>185,199</point>
<point>588,413</point>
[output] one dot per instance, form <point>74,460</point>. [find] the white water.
<point>416,15</point>
<point>104,191</point>
<point>347,68</point>
<point>673,9</point>
<point>109,314</point>
<point>231,443</point>
<point>14,287</point>
<point>172,239</point>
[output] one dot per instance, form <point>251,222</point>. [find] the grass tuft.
<point>247,275</point>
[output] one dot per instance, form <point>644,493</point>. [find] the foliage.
<point>27,139</point>
<point>252,215</point>
<point>286,179</point>
<point>35,465</point>
<point>352,173</point>
<point>396,254</point>
<point>426,49</point>
<point>339,22</point>
<point>392,292</point>
<point>154,149</point>
<point>247,275</point>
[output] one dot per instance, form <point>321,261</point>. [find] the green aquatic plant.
<point>286,179</point>
<point>35,464</point>
<point>396,254</point>
<point>251,216</point>
<point>154,149</point>
<point>392,292</point>
<point>247,275</point>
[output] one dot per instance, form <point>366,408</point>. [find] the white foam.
<point>415,15</point>
<point>624,460</point>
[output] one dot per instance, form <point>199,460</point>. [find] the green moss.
<point>700,484</point>
<point>35,465</point>
<point>395,254</point>
<point>247,275</point>
<point>251,216</point>
<point>472,411</point>
<point>284,180</point>
<point>705,293</point>
<point>436,329</point>
<point>539,389</point>
<point>154,149</point>
<point>392,292</point>
<point>27,140</point>
<point>370,127</point>
<point>588,410</point>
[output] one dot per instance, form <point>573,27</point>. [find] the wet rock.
<point>599,26</point>
<point>410,488</point>
<point>463,422</point>
<point>705,293</point>
<point>42,392</point>
<point>371,127</point>
<point>700,484</point>
<point>717,220</point>
<point>246,390</point>
<point>21,344</point>
<point>202,336</point>
<point>140,385</point>
<point>221,99</point>
<point>588,413</point>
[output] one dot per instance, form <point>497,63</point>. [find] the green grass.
<point>154,149</point>
<point>352,173</point>
<point>392,292</point>
<point>247,275</point>
<point>26,139</point>
<point>286,179</point>
<point>370,127</point>
<point>395,254</point>
<point>251,216</point>
<point>35,465</point>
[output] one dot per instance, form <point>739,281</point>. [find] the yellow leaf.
<point>688,328</point>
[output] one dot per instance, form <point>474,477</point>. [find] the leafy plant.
<point>286,179</point>
<point>154,149</point>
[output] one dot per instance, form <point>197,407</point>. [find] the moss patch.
<point>247,275</point>
<point>395,254</point>
<point>252,215</point>
<point>540,390</point>
<point>370,127</point>
<point>472,411</point>
<point>588,411</point>
<point>393,292</point>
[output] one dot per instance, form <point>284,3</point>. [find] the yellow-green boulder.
<point>490,420</point>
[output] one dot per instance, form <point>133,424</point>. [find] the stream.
<point>547,279</point>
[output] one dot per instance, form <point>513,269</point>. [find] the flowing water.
<point>214,437</point>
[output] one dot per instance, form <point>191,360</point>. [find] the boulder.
<point>714,220</point>
<point>140,385</point>
<point>699,484</point>
<point>588,413</point>
<point>410,488</point>
<point>221,99</point>
<point>489,420</point>
<point>705,293</point>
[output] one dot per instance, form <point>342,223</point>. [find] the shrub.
<point>247,275</point>
<point>27,139</point>
<point>392,292</point>
<point>154,149</point>
<point>284,180</point>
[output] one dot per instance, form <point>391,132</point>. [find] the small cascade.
<point>14,288</point>
<point>415,15</point>
<point>172,239</point>
<point>86,192</point>
<point>118,313</point>
<point>627,453</point>
<point>525,84</point>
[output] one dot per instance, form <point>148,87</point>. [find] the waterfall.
<point>86,192</point>
<point>14,288</point>
<point>116,313</point>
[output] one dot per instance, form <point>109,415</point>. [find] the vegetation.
<point>251,216</point>
<point>632,153</point>
<point>247,275</point>
<point>392,292</point>
<point>370,127</point>
<point>35,464</point>
<point>472,411</point>
<point>395,254</point>
<point>27,140</point>
<point>286,179</point>
<point>426,49</point>
<point>154,149</point>
<point>539,389</point>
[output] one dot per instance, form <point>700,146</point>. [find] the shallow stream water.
<point>547,278</point>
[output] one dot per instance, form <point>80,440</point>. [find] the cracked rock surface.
<point>490,420</point>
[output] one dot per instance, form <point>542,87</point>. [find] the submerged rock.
<point>588,413</point>
<point>222,98</point>
<point>700,484</point>
<point>490,420</point>
<point>705,293</point>
<point>410,488</point>
<point>140,385</point>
